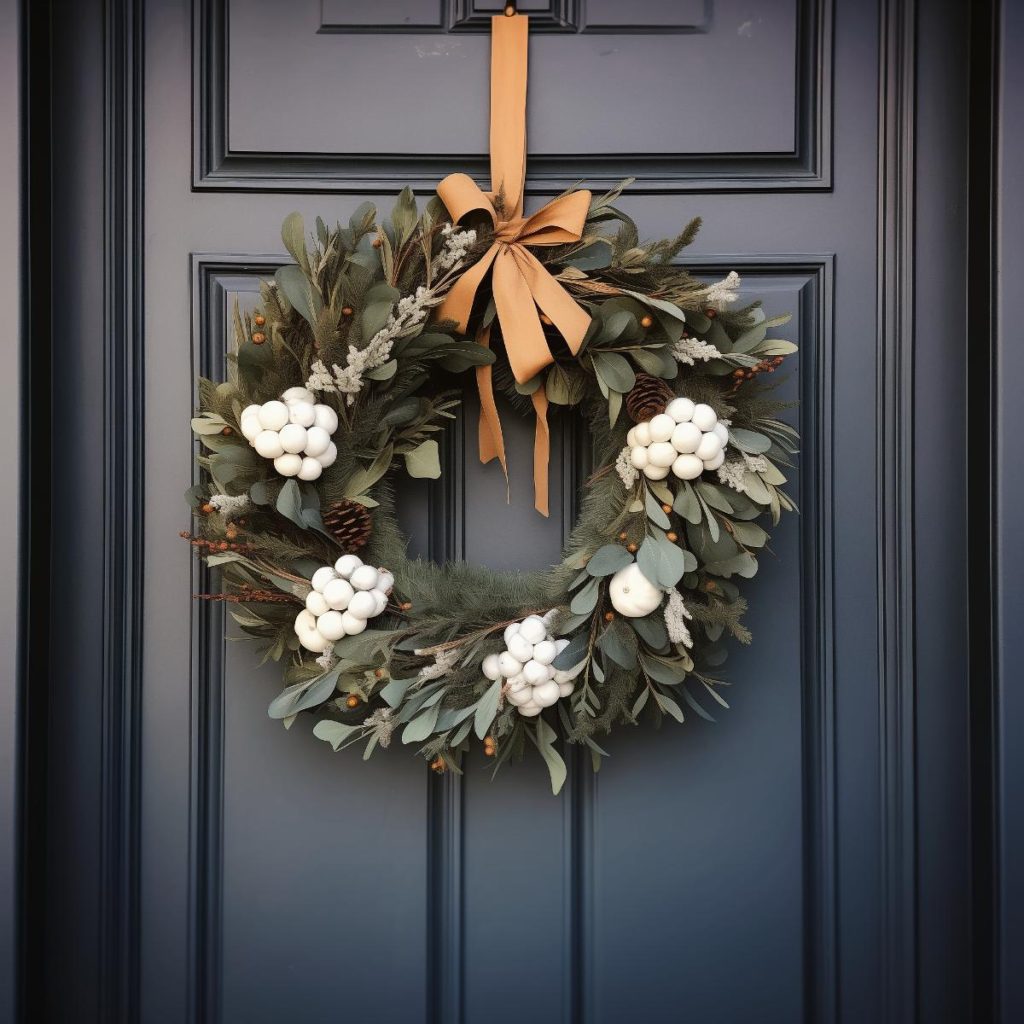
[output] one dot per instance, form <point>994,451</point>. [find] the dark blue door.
<point>802,859</point>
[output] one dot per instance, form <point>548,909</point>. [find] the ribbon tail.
<point>458,303</point>
<point>541,451</point>
<point>564,312</point>
<point>525,344</point>
<point>489,436</point>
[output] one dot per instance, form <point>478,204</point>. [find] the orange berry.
<point>623,535</point>
<point>711,312</point>
<point>608,616</point>
<point>376,245</point>
<point>646,320</point>
<point>352,701</point>
<point>346,310</point>
<point>631,548</point>
<point>258,338</point>
<point>259,319</point>
<point>227,431</point>
<point>206,508</point>
<point>666,509</point>
<point>672,536</point>
<point>437,765</point>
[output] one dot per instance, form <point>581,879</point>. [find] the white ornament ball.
<point>288,465</point>
<point>301,414</point>
<point>680,409</point>
<point>639,457</point>
<point>687,467</point>
<point>661,454</point>
<point>273,415</point>
<point>530,709</point>
<point>490,667</point>
<point>328,457</point>
<point>317,603</point>
<point>293,438</point>
<point>535,672</point>
<point>533,629</point>
<point>686,437</point>
<point>520,695</point>
<point>565,688</point>
<point>710,445</point>
<point>546,694</point>
<point>509,665</point>
<point>631,437</point>
<point>385,582</point>
<point>363,605</point>
<point>338,594</point>
<point>365,577</point>
<point>520,648</point>
<point>723,432</point>
<point>347,564</point>
<point>661,427</point>
<point>310,469</point>
<point>298,394</point>
<point>317,441</point>
<point>704,417</point>
<point>325,418</point>
<point>322,577</point>
<point>268,444</point>
<point>632,593</point>
<point>545,652</point>
<point>331,625</point>
<point>249,421</point>
<point>656,472</point>
<point>352,624</point>
<point>643,434</point>
<point>716,461</point>
<point>380,600</point>
<point>510,631</point>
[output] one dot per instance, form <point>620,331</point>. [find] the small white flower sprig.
<point>405,321</point>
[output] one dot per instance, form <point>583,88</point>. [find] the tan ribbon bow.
<point>519,281</point>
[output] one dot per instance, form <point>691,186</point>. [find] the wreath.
<point>346,372</point>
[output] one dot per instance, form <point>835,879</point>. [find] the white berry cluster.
<point>532,682</point>
<point>344,598</point>
<point>685,439</point>
<point>295,433</point>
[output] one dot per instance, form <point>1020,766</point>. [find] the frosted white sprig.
<point>723,292</point>
<point>689,350</point>
<point>327,660</point>
<point>626,470</point>
<point>382,724</point>
<point>733,471</point>
<point>444,661</point>
<point>229,504</point>
<point>455,249</point>
<point>348,380</point>
<point>676,614</point>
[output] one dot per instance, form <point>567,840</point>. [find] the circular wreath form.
<point>343,376</point>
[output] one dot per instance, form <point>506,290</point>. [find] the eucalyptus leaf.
<point>424,461</point>
<point>335,733</point>
<point>608,559</point>
<point>486,709</point>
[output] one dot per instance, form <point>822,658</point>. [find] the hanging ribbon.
<point>521,285</point>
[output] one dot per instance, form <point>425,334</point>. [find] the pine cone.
<point>648,397</point>
<point>349,523</point>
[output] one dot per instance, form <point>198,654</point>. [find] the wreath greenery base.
<point>351,320</point>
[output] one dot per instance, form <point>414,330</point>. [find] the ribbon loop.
<point>520,283</point>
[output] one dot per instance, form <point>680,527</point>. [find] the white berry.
<point>322,577</point>
<point>704,417</point>
<point>639,457</point>
<point>545,652</point>
<point>292,437</point>
<point>352,624</point>
<point>643,434</point>
<point>520,648</point>
<point>661,454</point>
<point>316,439</point>
<point>710,445</point>
<point>686,437</point>
<point>331,625</point>
<point>325,418</point>
<point>656,472</point>
<point>347,564</point>
<point>687,467</point>
<point>302,414</point>
<point>298,394</point>
<point>365,577</point>
<point>273,415</point>
<point>268,444</point>
<point>338,593</point>
<point>310,469</point>
<point>490,667</point>
<point>509,665</point>
<point>288,465</point>
<point>680,409</point>
<point>661,427</point>
<point>328,457</point>
<point>317,603</point>
<point>363,605</point>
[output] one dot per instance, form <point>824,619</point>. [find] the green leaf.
<point>384,372</point>
<point>655,512</point>
<point>293,234</point>
<point>615,326</point>
<point>375,318</point>
<point>687,505</point>
<point>295,285</point>
<point>208,424</point>
<point>584,601</point>
<point>574,653</point>
<point>614,370</point>
<point>421,726</point>
<point>486,709</point>
<point>424,461</point>
<point>394,692</point>
<point>749,441</point>
<point>619,642</point>
<point>672,564</point>
<point>669,672</point>
<point>545,740</point>
<point>304,695</point>
<point>289,503</point>
<point>608,559</point>
<point>335,733</point>
<point>649,560</point>
<point>362,480</point>
<point>669,706</point>
<point>651,629</point>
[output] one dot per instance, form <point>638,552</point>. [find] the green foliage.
<point>417,673</point>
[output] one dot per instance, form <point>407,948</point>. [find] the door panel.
<point>731,871</point>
